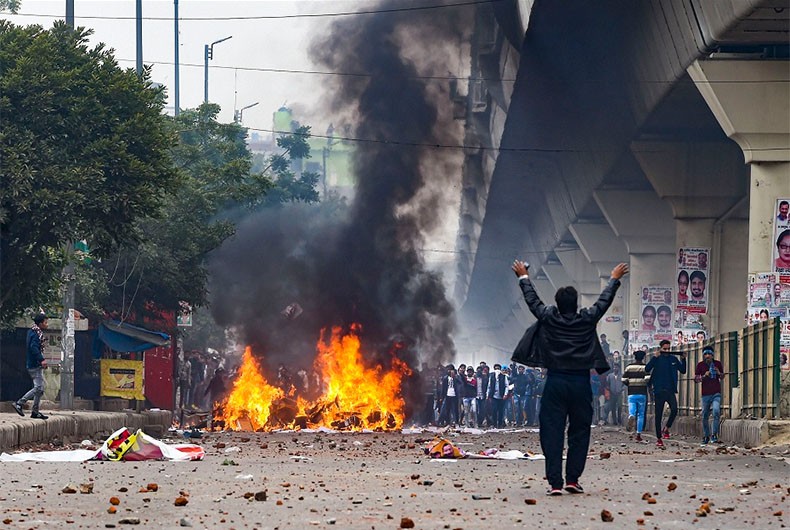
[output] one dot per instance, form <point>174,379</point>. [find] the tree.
<point>86,154</point>
<point>287,186</point>
<point>12,6</point>
<point>218,187</point>
<point>166,267</point>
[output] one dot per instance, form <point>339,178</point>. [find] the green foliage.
<point>85,154</point>
<point>12,6</point>
<point>287,186</point>
<point>167,266</point>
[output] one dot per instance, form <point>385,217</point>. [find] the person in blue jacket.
<point>35,364</point>
<point>663,369</point>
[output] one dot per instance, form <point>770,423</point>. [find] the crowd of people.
<point>482,397</point>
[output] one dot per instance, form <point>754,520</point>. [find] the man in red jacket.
<point>710,372</point>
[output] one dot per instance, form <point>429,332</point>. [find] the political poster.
<point>656,314</point>
<point>768,297</point>
<point>781,240</point>
<point>122,378</point>
<point>692,279</point>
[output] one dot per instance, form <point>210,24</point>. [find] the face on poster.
<point>781,241</point>
<point>656,315</point>
<point>692,279</point>
<point>762,288</point>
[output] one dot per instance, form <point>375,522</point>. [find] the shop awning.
<point>123,337</point>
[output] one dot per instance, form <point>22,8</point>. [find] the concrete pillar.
<point>751,101</point>
<point>704,183</point>
<point>646,228</point>
<point>770,180</point>
<point>603,249</point>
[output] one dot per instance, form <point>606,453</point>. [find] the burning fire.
<point>354,396</point>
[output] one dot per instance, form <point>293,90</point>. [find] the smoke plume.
<point>363,263</point>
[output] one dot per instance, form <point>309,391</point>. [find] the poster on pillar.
<point>768,297</point>
<point>656,315</point>
<point>692,278</point>
<point>781,240</point>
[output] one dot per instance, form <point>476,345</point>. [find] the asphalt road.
<point>374,481</point>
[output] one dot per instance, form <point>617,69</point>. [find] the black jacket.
<point>564,342</point>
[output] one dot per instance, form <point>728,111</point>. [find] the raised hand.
<point>619,271</point>
<point>519,268</point>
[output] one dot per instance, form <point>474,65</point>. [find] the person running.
<point>636,380</point>
<point>663,369</point>
<point>709,372</point>
<point>567,345</point>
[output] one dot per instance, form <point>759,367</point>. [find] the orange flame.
<point>354,396</point>
<point>252,395</point>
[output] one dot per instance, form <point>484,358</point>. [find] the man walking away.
<point>35,364</point>
<point>710,372</point>
<point>636,380</point>
<point>663,369</point>
<point>567,345</point>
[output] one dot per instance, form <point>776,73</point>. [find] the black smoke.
<point>363,263</point>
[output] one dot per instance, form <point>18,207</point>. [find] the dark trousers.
<point>480,404</point>
<point>567,400</point>
<point>665,396</point>
<point>499,412</point>
<point>449,410</point>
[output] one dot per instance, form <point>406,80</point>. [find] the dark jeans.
<point>499,412</point>
<point>662,397</point>
<point>449,409</point>
<point>481,411</point>
<point>567,400</point>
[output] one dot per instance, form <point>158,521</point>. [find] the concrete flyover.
<point>619,131</point>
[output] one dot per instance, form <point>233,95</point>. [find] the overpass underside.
<point>620,131</point>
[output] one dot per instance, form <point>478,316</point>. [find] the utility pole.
<point>70,13</point>
<point>177,88</point>
<point>208,54</point>
<point>140,39</point>
<point>67,329</point>
<point>67,334</point>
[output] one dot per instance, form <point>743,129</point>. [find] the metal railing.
<point>690,392</point>
<point>751,386</point>
<point>760,369</point>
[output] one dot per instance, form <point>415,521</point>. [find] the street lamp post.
<point>208,53</point>
<point>239,114</point>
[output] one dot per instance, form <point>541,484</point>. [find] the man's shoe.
<point>629,426</point>
<point>665,433</point>
<point>574,487</point>
<point>660,443</point>
<point>638,437</point>
<point>705,440</point>
<point>714,439</point>
<point>18,408</point>
<point>38,416</point>
<point>554,492</point>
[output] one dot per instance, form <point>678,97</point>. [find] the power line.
<point>459,146</point>
<point>435,77</point>
<point>278,17</point>
<point>316,72</point>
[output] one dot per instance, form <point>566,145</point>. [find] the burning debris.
<point>354,396</point>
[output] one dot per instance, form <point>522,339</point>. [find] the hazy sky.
<point>257,43</point>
